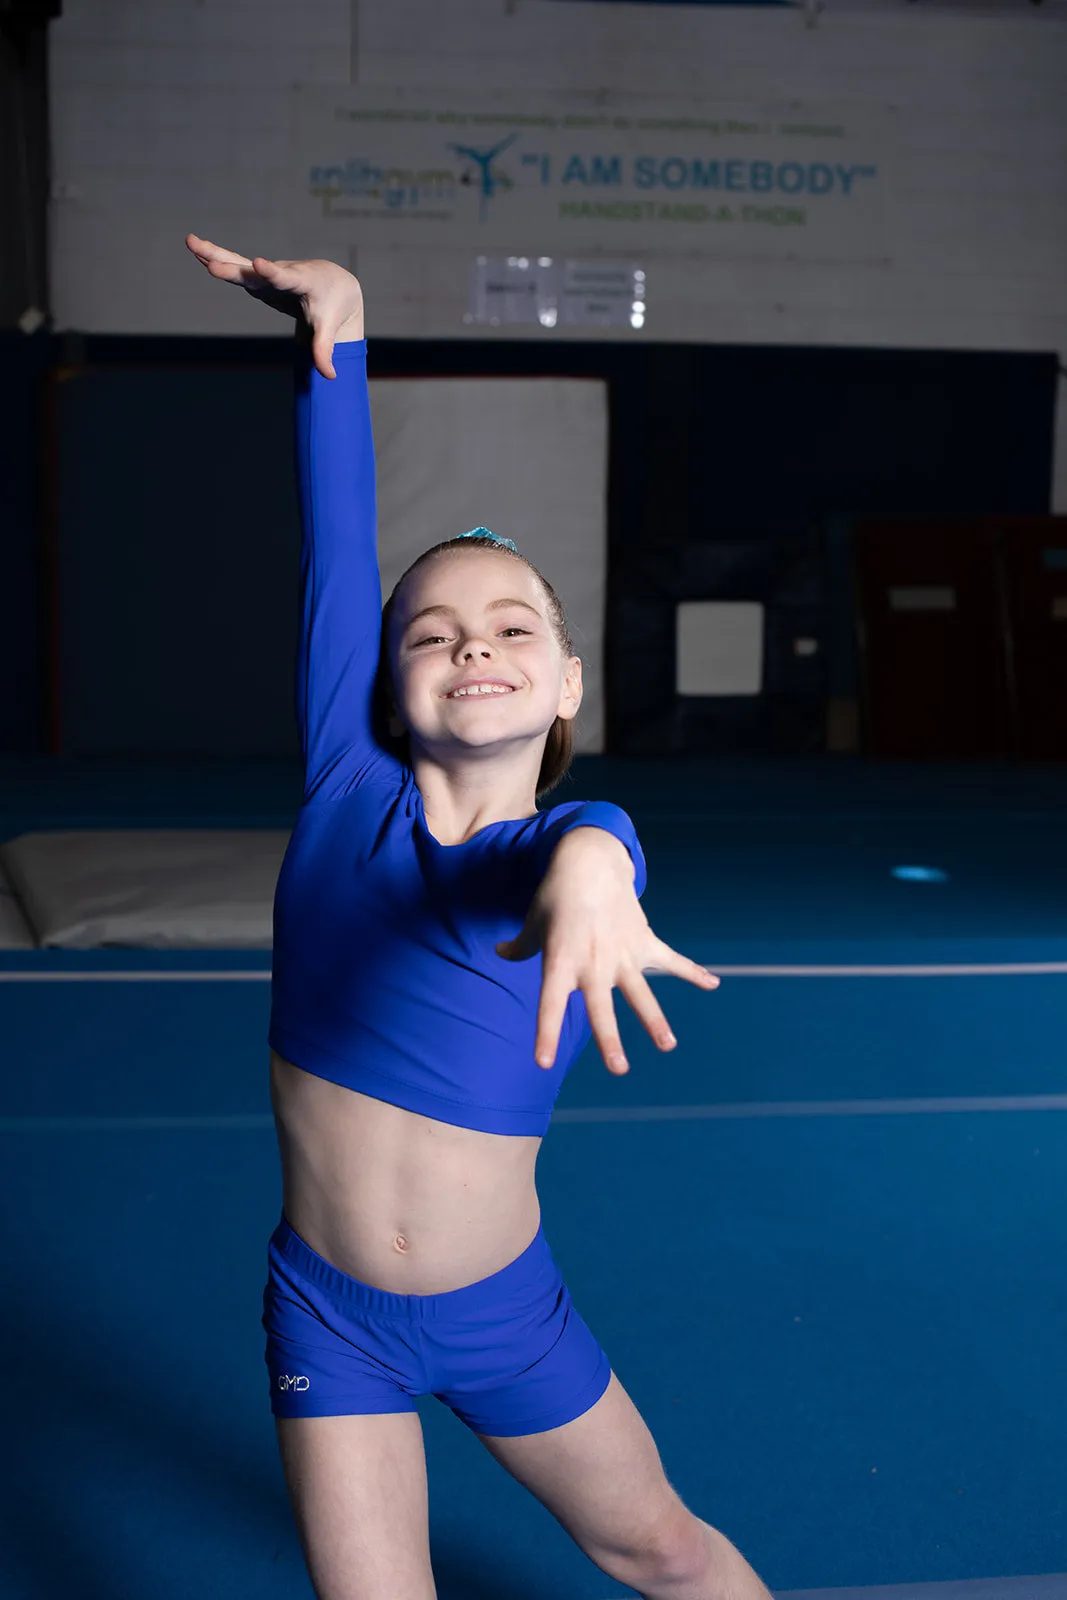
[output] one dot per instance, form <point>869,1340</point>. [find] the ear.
<point>571,694</point>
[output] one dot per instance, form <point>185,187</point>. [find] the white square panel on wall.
<point>719,647</point>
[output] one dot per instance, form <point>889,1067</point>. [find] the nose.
<point>468,651</point>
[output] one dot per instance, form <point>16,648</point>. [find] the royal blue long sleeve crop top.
<point>386,977</point>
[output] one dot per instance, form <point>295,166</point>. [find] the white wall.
<point>174,114</point>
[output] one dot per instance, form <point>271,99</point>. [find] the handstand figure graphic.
<point>489,180</point>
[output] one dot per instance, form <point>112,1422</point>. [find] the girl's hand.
<point>588,922</point>
<point>327,297</point>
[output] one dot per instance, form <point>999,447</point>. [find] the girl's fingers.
<point>557,987</point>
<point>231,272</point>
<point>205,251</point>
<point>284,275</point>
<point>322,352</point>
<point>556,990</point>
<point>260,276</point>
<point>642,1001</point>
<point>598,1004</point>
<point>291,277</point>
<point>675,965</point>
<point>319,292</point>
<point>225,264</point>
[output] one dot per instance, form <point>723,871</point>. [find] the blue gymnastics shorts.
<point>509,1354</point>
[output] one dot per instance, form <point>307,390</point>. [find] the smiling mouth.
<point>480,694</point>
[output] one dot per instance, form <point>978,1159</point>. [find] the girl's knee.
<point>676,1550</point>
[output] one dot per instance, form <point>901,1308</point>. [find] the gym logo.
<point>487,177</point>
<point>428,191</point>
<point>289,1380</point>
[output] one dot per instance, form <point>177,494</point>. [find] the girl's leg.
<point>358,1490</point>
<point>602,1479</point>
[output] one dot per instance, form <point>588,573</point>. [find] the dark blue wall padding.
<point>785,570</point>
<point>178,542</point>
<point>177,525</point>
<point>22,362</point>
<point>767,448</point>
<point>739,435</point>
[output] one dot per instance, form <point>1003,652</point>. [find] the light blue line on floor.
<point>1050,1587</point>
<point>254,1120</point>
<point>261,976</point>
<point>814,1108</point>
<point>961,969</point>
<point>742,1110</point>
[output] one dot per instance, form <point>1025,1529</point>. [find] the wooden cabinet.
<point>963,638</point>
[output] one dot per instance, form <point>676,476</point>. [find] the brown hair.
<point>559,744</point>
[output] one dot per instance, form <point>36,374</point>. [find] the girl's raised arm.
<point>337,655</point>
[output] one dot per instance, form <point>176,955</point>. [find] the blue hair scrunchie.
<point>487,533</point>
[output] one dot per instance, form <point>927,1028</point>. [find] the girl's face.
<point>473,617</point>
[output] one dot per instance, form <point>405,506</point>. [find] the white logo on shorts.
<point>289,1380</point>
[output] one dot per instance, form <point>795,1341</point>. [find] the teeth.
<point>480,688</point>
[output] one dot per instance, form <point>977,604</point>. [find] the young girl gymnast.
<point>442,952</point>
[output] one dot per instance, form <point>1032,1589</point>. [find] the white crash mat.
<point>166,889</point>
<point>15,931</point>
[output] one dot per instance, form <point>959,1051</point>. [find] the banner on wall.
<point>572,175</point>
<point>964,8</point>
<point>708,2</point>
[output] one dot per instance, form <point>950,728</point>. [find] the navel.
<point>400,1242</point>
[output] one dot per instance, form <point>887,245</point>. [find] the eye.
<point>439,638</point>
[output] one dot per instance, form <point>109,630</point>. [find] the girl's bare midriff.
<point>396,1199</point>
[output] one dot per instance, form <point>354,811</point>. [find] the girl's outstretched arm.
<point>337,654</point>
<point>587,923</point>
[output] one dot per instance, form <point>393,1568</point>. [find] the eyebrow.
<point>450,611</point>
